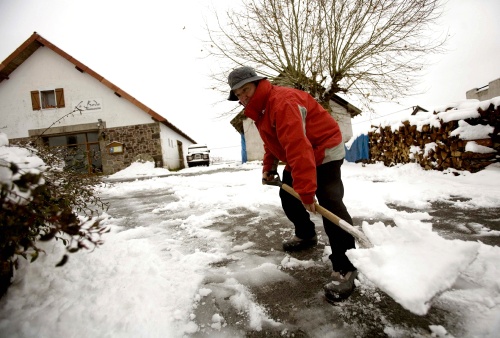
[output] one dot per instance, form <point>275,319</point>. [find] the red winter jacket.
<point>296,130</point>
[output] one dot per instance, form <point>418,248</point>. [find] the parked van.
<point>198,154</point>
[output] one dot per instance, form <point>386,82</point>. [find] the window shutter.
<point>35,99</point>
<point>59,97</point>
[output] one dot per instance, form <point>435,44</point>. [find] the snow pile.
<point>140,169</point>
<point>467,132</point>
<point>415,277</point>
<point>14,162</point>
<point>473,147</point>
<point>456,111</point>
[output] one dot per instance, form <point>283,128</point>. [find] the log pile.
<point>434,145</point>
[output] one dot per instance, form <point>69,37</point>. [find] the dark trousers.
<point>330,193</point>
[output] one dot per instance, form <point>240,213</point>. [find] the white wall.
<point>253,142</point>
<point>343,118</point>
<point>486,93</point>
<point>169,148</point>
<point>46,70</point>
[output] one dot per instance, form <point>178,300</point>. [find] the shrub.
<point>40,201</point>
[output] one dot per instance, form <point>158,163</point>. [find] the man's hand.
<point>310,207</point>
<point>266,175</point>
<point>270,176</point>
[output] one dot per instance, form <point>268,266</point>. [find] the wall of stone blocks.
<point>139,141</point>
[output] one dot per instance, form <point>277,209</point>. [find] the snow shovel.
<point>360,237</point>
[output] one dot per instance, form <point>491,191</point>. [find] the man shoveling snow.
<point>297,130</point>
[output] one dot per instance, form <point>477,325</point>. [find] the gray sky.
<point>471,60</point>
<point>152,50</point>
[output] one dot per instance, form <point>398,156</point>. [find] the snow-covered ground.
<point>146,280</point>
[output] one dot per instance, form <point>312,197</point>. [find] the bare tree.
<point>374,49</point>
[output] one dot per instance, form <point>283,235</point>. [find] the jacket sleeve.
<point>291,131</point>
<point>270,162</point>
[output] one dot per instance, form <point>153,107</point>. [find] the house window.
<point>47,99</point>
<point>81,152</point>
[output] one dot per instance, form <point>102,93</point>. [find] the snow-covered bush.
<point>40,202</point>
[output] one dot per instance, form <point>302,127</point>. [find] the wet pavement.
<point>296,305</point>
<point>300,304</point>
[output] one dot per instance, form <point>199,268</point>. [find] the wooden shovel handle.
<point>358,235</point>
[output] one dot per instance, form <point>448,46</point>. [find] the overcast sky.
<point>153,50</point>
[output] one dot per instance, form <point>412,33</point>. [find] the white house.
<point>49,96</point>
<point>252,145</point>
<point>491,90</point>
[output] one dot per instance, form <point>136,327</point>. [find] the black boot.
<point>298,244</point>
<point>341,286</point>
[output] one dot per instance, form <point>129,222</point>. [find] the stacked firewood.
<point>436,145</point>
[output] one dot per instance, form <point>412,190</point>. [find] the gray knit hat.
<point>239,77</point>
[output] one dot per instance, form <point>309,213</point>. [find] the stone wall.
<point>138,141</point>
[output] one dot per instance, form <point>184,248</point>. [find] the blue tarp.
<point>359,149</point>
<point>243,149</point>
